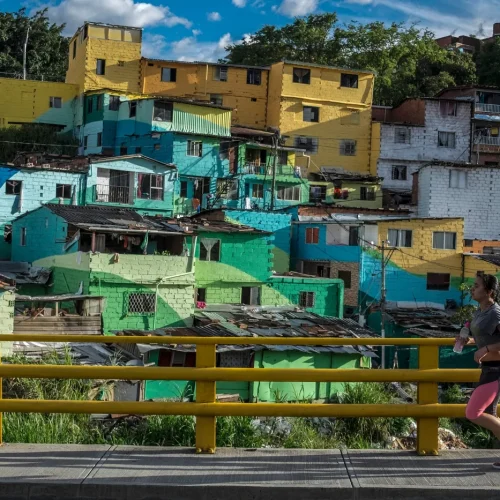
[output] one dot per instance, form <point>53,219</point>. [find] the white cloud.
<point>294,8</point>
<point>125,12</point>
<point>213,16</point>
<point>197,32</point>
<point>186,49</point>
<point>240,3</point>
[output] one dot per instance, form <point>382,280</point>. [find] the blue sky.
<point>199,30</point>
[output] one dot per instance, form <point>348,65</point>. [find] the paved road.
<point>60,472</point>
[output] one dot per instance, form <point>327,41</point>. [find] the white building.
<point>419,131</point>
<point>468,191</point>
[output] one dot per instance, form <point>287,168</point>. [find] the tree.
<point>406,59</point>
<point>488,63</point>
<point>47,53</point>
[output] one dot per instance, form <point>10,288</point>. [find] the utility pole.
<point>275,161</point>
<point>382,303</point>
<point>25,49</point>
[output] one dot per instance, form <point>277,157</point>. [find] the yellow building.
<point>324,110</point>
<point>28,101</point>
<point>242,88</point>
<point>104,56</point>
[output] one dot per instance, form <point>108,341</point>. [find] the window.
<point>399,173</point>
<point>74,49</point>
<point>348,147</point>
<point>310,114</point>
<point>85,141</point>
<point>99,139</point>
<point>257,191</point>
<point>63,191</point>
<point>201,294</point>
<point>448,108</point>
<point>288,193</point>
<point>23,237</point>
<point>132,109</point>
<point>444,240</point>
<point>400,238</point>
<point>55,102</point>
<point>100,103</point>
<point>446,139</point>
<point>317,193</point>
<point>306,299</point>
<point>163,111</point>
<point>458,179</point>
<point>367,193</point>
<point>468,243</point>
<point>254,76</point>
<point>283,158</point>
<point>345,276</point>
<point>194,148</point>
<point>168,75</point>
<point>310,144</point>
<point>402,135</point>
<point>100,67</point>
<point>250,295</point>
<point>312,235</point>
<point>90,104</point>
<point>150,187</point>
<point>347,80</point>
<point>13,187</point>
<point>123,149</point>
<point>438,281</point>
<point>114,102</point>
<point>302,75</point>
<point>141,303</point>
<point>184,189</point>
<point>220,73</point>
<point>216,99</point>
<point>210,249</point>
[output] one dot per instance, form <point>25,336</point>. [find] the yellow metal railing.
<point>427,411</point>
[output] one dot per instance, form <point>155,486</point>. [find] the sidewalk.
<point>60,472</point>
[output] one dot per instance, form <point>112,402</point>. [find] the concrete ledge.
<point>58,472</point>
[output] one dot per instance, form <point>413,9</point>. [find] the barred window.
<point>306,299</point>
<point>141,303</point>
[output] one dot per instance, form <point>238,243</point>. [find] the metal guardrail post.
<point>427,428</point>
<point>205,393</point>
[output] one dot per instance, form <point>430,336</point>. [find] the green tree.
<point>47,51</point>
<point>488,64</point>
<point>406,59</point>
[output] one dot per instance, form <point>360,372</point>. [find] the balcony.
<point>489,141</point>
<point>487,108</point>
<point>253,168</point>
<point>104,193</point>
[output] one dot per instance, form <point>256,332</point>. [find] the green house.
<point>264,322</point>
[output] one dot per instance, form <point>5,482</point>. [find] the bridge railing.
<point>426,411</point>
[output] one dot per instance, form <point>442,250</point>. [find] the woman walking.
<point>485,328</point>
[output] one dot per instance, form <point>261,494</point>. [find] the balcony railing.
<point>105,193</point>
<point>489,141</point>
<point>256,169</point>
<point>487,108</point>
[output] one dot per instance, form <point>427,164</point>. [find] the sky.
<point>196,30</point>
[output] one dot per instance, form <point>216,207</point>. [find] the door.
<point>233,159</point>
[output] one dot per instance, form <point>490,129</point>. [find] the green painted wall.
<point>143,274</point>
<point>299,391</point>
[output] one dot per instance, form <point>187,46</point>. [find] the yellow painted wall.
<point>375,148</point>
<point>345,113</point>
<point>28,101</point>
<point>274,98</point>
<point>119,47</point>
<point>354,199</point>
<point>435,261</point>
<point>474,265</point>
<point>197,81</point>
